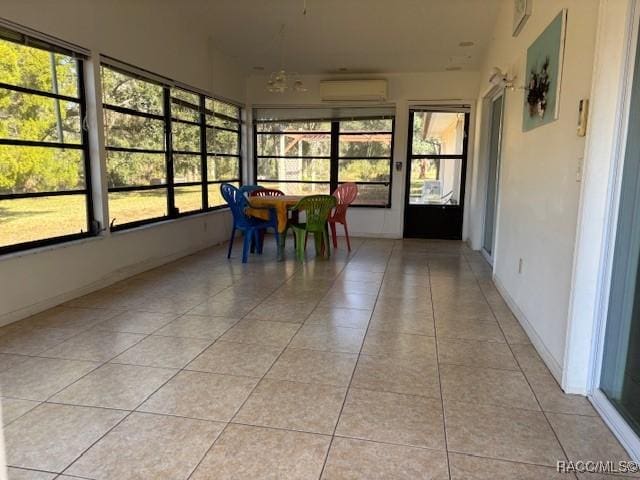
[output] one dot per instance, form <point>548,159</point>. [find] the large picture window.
<point>302,157</point>
<point>44,159</point>
<point>168,149</point>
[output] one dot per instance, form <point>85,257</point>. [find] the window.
<point>168,149</point>
<point>223,127</point>
<point>364,157</point>
<point>135,126</point>
<point>186,129</point>
<point>302,157</point>
<point>44,158</point>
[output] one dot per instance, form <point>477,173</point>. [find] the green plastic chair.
<point>317,209</point>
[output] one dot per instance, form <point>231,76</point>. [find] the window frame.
<point>92,228</point>
<point>169,151</point>
<point>334,157</point>
<point>205,148</point>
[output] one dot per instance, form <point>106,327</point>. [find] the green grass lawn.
<point>28,219</point>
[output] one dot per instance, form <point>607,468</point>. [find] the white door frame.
<point>595,239</point>
<point>487,107</point>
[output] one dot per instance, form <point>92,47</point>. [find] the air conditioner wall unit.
<point>353,90</point>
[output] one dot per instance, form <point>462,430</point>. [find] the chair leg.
<point>334,235</point>
<point>277,237</point>
<point>246,246</point>
<point>346,234</point>
<point>233,235</point>
<point>318,240</point>
<point>327,245</point>
<point>300,244</point>
<point>259,240</point>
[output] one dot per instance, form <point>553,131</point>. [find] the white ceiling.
<point>367,36</point>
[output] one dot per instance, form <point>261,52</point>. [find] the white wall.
<point>154,35</point>
<point>539,192</point>
<point>404,90</point>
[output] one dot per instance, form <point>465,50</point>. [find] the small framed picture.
<point>521,13</point>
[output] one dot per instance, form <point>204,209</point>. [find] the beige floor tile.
<point>147,446</point>
<point>411,323</point>
<point>310,366</point>
<point>464,329</point>
<point>169,352</point>
<point>206,396</point>
<point>23,474</point>
<point>7,361</point>
<point>367,287</point>
<point>137,322</point>
<point>33,341</point>
<point>340,317</point>
<point>290,311</point>
<point>393,418</point>
<point>486,386</point>
<point>466,467</point>
<point>355,459</point>
<point>501,433</point>
<point>115,386</point>
<point>236,359</point>
<point>553,399</point>
<point>13,408</point>
<point>476,311</point>
<point>476,354</point>
<point>529,360</point>
<point>415,305</point>
<point>252,453</point>
<point>328,338</point>
<point>513,331</point>
<point>226,305</point>
<point>349,300</point>
<point>394,344</point>
<point>39,378</point>
<point>275,334</point>
<point>197,326</point>
<point>50,437</point>
<point>586,438</point>
<point>412,376</point>
<point>70,318</point>
<point>94,345</point>
<point>295,406</point>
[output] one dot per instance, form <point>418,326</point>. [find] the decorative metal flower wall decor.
<point>538,90</point>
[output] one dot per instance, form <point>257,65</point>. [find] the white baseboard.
<point>538,344</point>
<point>109,279</point>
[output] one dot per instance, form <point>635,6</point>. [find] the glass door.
<point>620,373</point>
<point>493,174</point>
<point>437,153</point>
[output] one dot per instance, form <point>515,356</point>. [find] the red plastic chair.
<point>345,194</point>
<point>267,192</point>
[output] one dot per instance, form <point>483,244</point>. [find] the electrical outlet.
<point>520,265</point>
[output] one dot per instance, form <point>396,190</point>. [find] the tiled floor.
<point>399,361</point>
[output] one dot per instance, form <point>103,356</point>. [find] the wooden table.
<point>282,204</point>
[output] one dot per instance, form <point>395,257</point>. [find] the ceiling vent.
<point>353,90</point>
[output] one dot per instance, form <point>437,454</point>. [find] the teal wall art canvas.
<point>543,75</point>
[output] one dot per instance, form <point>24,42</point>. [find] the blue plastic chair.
<point>247,189</point>
<point>249,226</point>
